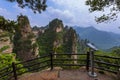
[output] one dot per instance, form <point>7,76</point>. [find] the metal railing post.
<point>88,61</point>
<point>51,61</point>
<point>118,74</point>
<point>14,71</point>
<point>92,62</point>
<point>92,73</point>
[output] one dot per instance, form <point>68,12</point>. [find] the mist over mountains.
<point>101,39</point>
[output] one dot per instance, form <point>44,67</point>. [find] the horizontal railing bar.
<point>33,59</point>
<point>32,64</point>
<point>41,67</point>
<point>10,78</point>
<point>101,68</point>
<point>33,69</point>
<point>70,64</point>
<point>107,57</point>
<point>6,68</point>
<point>69,54</point>
<point>5,74</point>
<point>70,59</point>
<point>111,64</point>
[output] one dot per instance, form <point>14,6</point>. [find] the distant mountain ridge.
<point>103,40</point>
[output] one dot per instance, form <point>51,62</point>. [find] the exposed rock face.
<point>58,39</point>
<point>57,26</point>
<point>24,40</point>
<point>74,47</point>
<point>5,42</point>
<point>70,40</point>
<point>25,28</point>
<point>59,29</point>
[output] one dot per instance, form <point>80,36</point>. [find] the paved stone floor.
<point>66,75</point>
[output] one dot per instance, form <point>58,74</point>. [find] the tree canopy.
<point>102,5</point>
<point>35,5</point>
<point>95,5</point>
<point>7,25</point>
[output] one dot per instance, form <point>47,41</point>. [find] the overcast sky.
<point>71,12</point>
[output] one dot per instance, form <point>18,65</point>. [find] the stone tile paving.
<point>81,74</point>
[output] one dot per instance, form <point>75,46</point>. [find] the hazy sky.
<point>71,12</point>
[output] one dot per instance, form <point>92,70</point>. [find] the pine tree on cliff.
<point>70,43</point>
<point>24,40</point>
<point>51,39</point>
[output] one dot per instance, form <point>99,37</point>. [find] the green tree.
<point>102,5</point>
<point>68,39</point>
<point>7,25</point>
<point>25,39</point>
<point>47,38</point>
<point>35,5</point>
<point>116,51</point>
<point>6,59</point>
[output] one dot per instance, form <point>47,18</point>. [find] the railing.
<point>66,61</point>
<point>6,72</point>
<point>104,63</point>
<point>16,69</point>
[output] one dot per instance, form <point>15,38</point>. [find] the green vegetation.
<point>24,40</point>
<point>57,39</point>
<point>7,25</point>
<point>6,59</point>
<point>4,48</point>
<point>108,60</point>
<point>7,29</point>
<point>35,5</point>
<point>116,51</point>
<point>54,38</point>
<point>95,36</point>
<point>102,5</point>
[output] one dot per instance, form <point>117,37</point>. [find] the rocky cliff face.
<point>74,47</point>
<point>58,39</point>
<point>70,41</point>
<point>5,42</point>
<point>24,40</point>
<point>57,27</point>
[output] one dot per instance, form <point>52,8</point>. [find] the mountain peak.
<point>56,25</point>
<point>102,39</point>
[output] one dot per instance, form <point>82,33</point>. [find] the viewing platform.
<point>59,74</point>
<point>62,67</point>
